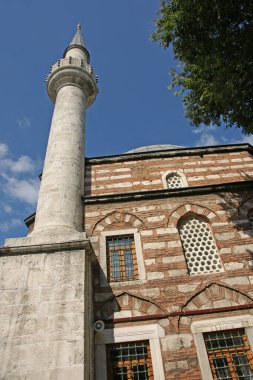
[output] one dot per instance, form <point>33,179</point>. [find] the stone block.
<point>155,275</point>
<point>165,231</point>
<point>237,281</point>
<point>174,343</point>
<point>225,236</point>
<point>177,272</point>
<point>233,265</point>
<point>146,233</point>
<point>38,375</point>
<point>174,244</point>
<point>187,288</point>
<point>158,245</point>
<point>147,262</point>
<point>152,292</point>
<point>182,364</point>
<point>173,259</point>
<point>74,372</point>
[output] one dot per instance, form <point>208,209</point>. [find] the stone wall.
<point>45,307</point>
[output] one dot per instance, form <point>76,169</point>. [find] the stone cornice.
<point>171,153</point>
<point>47,248</point>
<point>166,193</point>
<point>159,194</point>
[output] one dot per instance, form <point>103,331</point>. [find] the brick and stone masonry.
<point>127,192</point>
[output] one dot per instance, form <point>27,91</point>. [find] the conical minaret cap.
<point>78,38</point>
<point>77,42</point>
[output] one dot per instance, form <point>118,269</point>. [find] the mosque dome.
<point>153,148</point>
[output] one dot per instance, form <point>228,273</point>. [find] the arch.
<point>210,296</point>
<point>127,304</point>
<point>191,208</point>
<point>179,172</point>
<point>215,295</point>
<point>117,216</point>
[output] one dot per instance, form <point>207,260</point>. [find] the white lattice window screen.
<point>250,216</point>
<point>199,247</point>
<point>174,181</point>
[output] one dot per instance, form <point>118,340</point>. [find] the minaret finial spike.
<point>78,43</point>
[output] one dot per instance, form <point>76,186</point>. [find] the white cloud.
<point>245,139</point>
<point>13,177</point>
<point>22,189</point>
<point>7,209</point>
<point>24,122</point>
<point>23,164</point>
<point>19,187</point>
<point>8,225</point>
<point>206,139</point>
<point>3,150</point>
<point>203,129</point>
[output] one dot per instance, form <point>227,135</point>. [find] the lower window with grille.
<point>129,361</point>
<point>121,258</point>
<point>229,355</point>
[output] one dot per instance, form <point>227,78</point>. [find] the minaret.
<point>72,86</point>
<point>51,270</point>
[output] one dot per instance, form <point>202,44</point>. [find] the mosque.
<point>136,266</point>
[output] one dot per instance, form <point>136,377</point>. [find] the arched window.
<point>174,180</point>
<point>199,246</point>
<point>250,216</point>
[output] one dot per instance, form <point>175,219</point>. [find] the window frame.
<point>178,172</point>
<point>104,278</point>
<point>218,324</point>
<point>121,260</point>
<point>150,332</point>
<point>132,362</point>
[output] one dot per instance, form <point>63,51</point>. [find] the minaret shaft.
<point>59,205</point>
<point>72,86</point>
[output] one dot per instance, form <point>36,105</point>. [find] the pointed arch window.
<point>199,247</point>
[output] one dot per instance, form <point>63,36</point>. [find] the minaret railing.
<point>70,61</point>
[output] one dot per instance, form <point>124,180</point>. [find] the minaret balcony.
<point>73,62</point>
<point>75,71</point>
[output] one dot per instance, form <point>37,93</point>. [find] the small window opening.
<point>174,181</point>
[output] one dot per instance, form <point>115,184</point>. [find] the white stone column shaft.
<point>59,204</point>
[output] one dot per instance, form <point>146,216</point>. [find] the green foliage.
<point>213,41</point>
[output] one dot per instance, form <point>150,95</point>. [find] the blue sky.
<point>134,106</point>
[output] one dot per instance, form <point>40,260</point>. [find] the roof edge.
<point>171,152</point>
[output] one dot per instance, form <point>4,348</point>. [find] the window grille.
<point>250,216</point>
<point>129,361</point>
<point>174,181</point>
<point>229,355</point>
<point>121,258</point>
<point>199,247</point>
